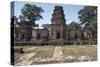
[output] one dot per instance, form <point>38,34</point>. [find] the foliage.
<point>88,18</point>
<point>32,12</point>
<point>74,24</point>
<point>88,14</point>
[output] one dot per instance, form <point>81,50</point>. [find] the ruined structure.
<point>25,31</point>
<point>56,32</point>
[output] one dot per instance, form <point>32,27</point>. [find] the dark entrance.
<point>58,35</point>
<point>23,36</point>
<point>38,36</point>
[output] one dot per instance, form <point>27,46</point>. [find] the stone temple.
<point>54,31</point>
<point>57,31</point>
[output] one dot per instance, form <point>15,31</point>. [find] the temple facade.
<point>57,31</point>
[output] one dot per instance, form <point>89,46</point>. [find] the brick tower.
<point>57,24</point>
<point>58,16</point>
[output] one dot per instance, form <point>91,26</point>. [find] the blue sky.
<point>70,11</point>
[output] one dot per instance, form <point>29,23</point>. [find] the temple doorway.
<point>57,35</point>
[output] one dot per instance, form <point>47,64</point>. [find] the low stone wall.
<point>55,43</point>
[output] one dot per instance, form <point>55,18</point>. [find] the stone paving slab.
<point>58,54</point>
<point>25,60</point>
<point>32,48</point>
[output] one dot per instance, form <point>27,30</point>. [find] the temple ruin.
<point>56,32</point>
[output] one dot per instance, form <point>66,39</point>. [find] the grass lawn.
<point>78,50</point>
<point>48,51</point>
<point>41,51</point>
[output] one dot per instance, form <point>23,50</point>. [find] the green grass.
<point>41,51</point>
<point>44,54</point>
<point>80,51</point>
<point>48,51</point>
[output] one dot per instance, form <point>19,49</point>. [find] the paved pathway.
<point>58,54</point>
<point>26,59</point>
<point>31,48</point>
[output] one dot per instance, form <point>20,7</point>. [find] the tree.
<point>88,14</point>
<point>74,31</point>
<point>45,26</point>
<point>32,12</point>
<point>88,18</point>
<point>76,25</point>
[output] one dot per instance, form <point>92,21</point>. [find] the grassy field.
<point>86,50</point>
<point>41,51</point>
<point>48,51</point>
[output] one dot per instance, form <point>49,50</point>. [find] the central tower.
<point>58,16</point>
<point>57,27</point>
